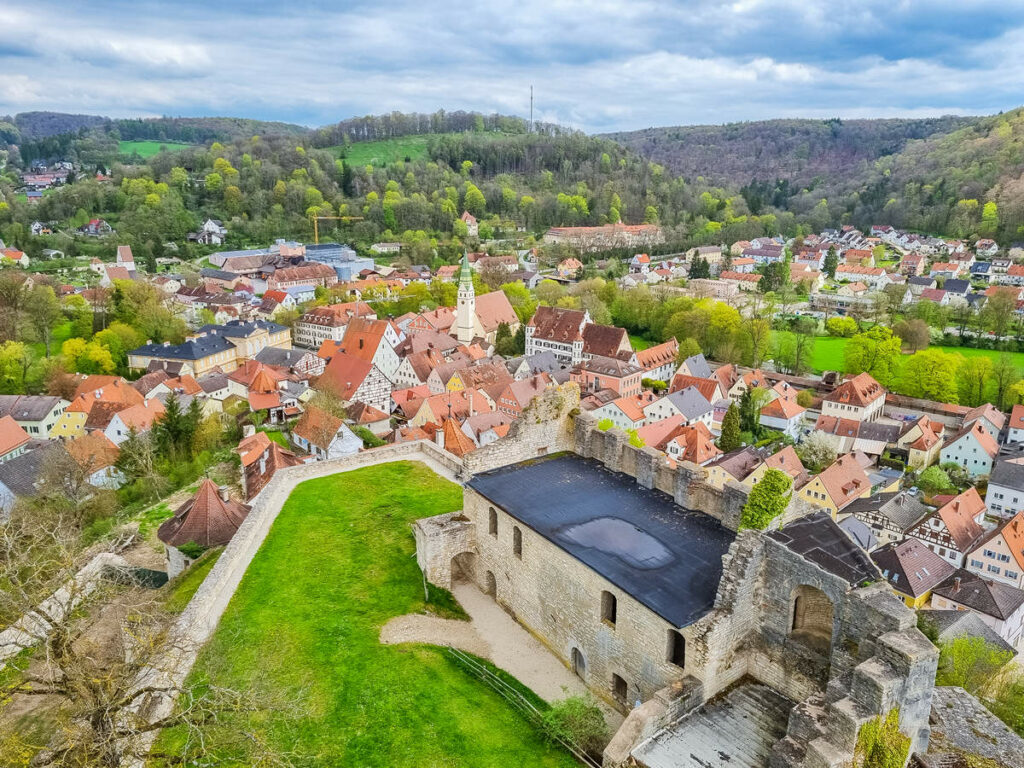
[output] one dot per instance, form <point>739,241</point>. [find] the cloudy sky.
<point>598,65</point>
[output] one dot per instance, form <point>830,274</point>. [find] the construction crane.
<point>316,224</point>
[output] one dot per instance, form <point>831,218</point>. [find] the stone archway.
<point>811,617</point>
<point>464,568</point>
<point>490,584</point>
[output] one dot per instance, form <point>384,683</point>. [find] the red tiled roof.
<point>844,480</point>
<point>12,436</point>
<point>958,515</point>
<point>343,375</point>
<point>93,452</point>
<point>861,390</point>
<point>318,427</point>
<point>205,519</point>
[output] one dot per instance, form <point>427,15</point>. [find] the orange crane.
<point>316,224</point>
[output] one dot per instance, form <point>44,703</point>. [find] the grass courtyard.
<point>304,626</point>
<point>828,353</point>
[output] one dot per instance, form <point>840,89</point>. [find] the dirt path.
<point>494,635</point>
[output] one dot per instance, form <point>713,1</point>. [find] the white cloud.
<point>599,65</point>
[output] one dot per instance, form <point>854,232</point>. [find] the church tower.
<point>465,314</point>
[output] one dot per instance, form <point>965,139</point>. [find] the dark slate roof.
<point>27,407</point>
<point>859,532</point>
<point>666,557</point>
<point>281,357</point>
<point>900,507</point>
<point>20,475</point>
<point>981,267</point>
<point>1007,473</point>
<point>194,349</point>
<point>927,282</point>
<point>698,367</point>
<point>873,430</point>
<point>951,624</point>
<point>690,402</point>
<point>217,274</point>
<point>957,286</point>
<point>236,329</point>
<point>980,594</point>
<point>819,539</point>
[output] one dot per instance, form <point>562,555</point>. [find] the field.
<point>149,148</point>
<point>303,627</point>
<point>828,353</point>
<point>385,151</point>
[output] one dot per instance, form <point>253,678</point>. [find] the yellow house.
<point>836,486</point>
<point>922,442</point>
<point>912,570</point>
<point>99,397</point>
<point>215,346</point>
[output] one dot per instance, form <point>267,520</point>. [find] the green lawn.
<point>149,148</point>
<point>385,151</point>
<point>828,353</point>
<point>640,343</point>
<point>304,626</point>
<point>277,436</point>
<point>61,333</point>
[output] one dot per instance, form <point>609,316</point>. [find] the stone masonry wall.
<point>558,599</point>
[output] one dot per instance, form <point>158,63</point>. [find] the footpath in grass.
<point>304,627</point>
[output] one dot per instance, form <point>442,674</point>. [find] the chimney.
<point>956,584</point>
<point>223,491</point>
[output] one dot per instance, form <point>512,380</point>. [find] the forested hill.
<point>798,151</point>
<point>41,125</point>
<point>955,176</point>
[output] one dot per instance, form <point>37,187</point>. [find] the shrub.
<point>577,720</point>
<point>191,550</point>
<point>841,326</point>
<point>933,480</point>
<point>369,439</point>
<point>880,744</point>
<point>767,500</point>
<point>805,398</point>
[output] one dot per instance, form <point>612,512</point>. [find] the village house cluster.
<point>644,606</point>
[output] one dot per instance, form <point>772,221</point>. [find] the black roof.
<point>819,539</point>
<point>218,274</point>
<point>921,280</point>
<point>957,286</point>
<point>666,557</point>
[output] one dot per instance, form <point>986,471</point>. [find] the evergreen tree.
<point>831,261</point>
<point>504,341</point>
<point>699,268</point>
<point>730,438</point>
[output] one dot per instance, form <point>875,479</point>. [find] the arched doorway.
<point>490,584</point>
<point>579,664</point>
<point>811,618</point>
<point>464,567</point>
